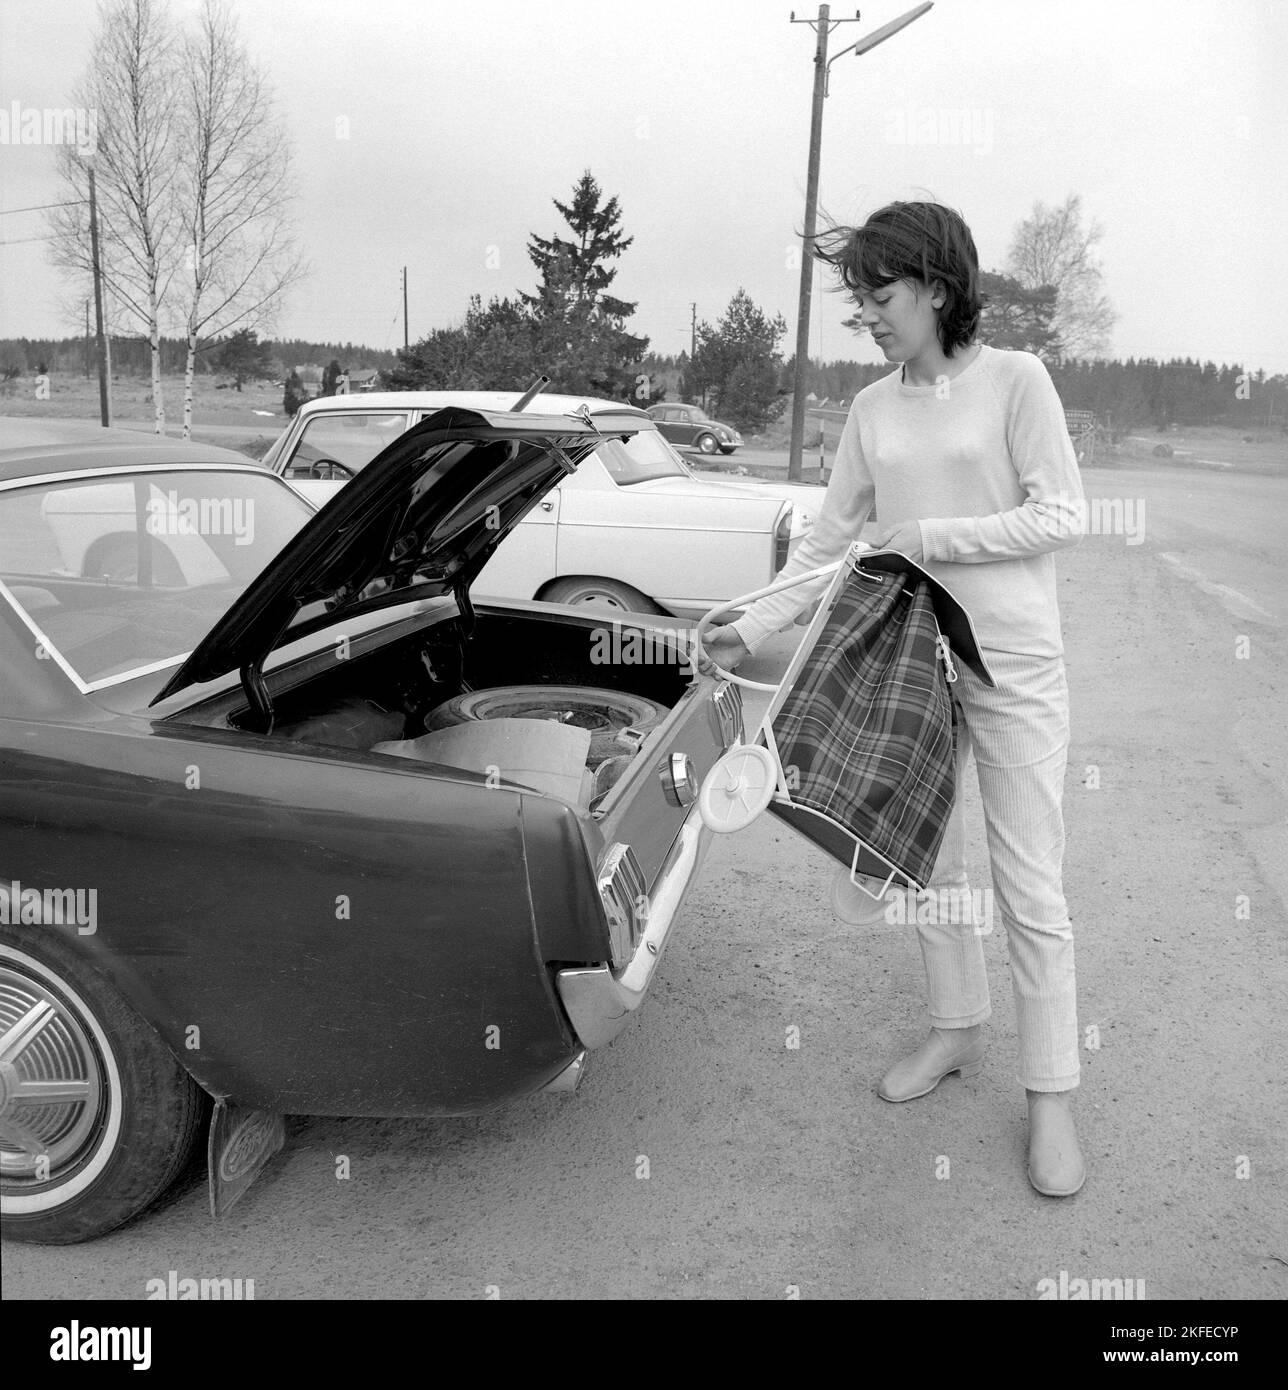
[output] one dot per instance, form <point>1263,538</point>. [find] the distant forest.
<point>1138,391</point>
<point>1122,394</point>
<point>130,355</point>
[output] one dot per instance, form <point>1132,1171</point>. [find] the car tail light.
<point>782,539</point>
<point>624,894</point>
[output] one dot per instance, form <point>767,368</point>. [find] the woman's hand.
<point>724,644</point>
<point>904,537</point>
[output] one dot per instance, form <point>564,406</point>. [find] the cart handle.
<point>743,600</point>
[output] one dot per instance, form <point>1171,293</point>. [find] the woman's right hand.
<point>725,646</point>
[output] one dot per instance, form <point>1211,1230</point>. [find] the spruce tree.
<point>580,327</point>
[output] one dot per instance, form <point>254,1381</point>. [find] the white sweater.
<point>983,462</point>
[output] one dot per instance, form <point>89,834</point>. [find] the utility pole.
<point>405,341</point>
<point>693,332</point>
<point>87,340</point>
<point>104,386</point>
<point>822,27</point>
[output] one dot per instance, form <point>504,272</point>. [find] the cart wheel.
<point>738,788</point>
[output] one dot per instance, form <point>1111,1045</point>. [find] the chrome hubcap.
<point>51,1082</point>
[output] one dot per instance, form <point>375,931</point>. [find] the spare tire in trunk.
<point>603,713</point>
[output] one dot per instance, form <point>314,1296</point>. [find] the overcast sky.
<point>1167,116</point>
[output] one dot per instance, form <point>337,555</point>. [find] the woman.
<point>965,454</point>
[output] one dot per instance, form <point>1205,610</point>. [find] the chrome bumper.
<point>600,1000</point>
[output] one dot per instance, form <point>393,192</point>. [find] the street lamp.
<point>822,27</point>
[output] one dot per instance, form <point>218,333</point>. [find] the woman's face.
<point>902,318</point>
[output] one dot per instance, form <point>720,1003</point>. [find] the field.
<point>1220,447</point>
<point>1260,449</point>
<point>73,396</point>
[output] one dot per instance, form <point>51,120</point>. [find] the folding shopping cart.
<point>856,748</point>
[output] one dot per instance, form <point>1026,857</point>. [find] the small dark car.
<point>289,825</point>
<point>690,427</point>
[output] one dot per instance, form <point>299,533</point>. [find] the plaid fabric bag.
<point>865,735</point>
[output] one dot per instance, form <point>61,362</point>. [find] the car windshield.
<point>123,573</point>
<point>350,440</point>
<point>644,456</point>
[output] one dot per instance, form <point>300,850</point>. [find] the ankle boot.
<point>920,1073</point>
<point>1056,1167</point>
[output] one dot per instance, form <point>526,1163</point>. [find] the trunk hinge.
<point>252,679</point>
<point>461,590</point>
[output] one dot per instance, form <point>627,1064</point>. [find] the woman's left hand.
<point>905,538</point>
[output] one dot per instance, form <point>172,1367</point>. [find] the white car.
<point>632,528</point>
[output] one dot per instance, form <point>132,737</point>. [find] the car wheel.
<point>706,443</point>
<point>117,558</point>
<point>97,1118</point>
<point>605,713</point>
<point>599,593</point>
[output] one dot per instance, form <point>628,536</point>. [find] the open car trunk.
<point>621,701</point>
<point>417,525</point>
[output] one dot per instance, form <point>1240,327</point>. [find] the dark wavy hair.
<point>911,241</point>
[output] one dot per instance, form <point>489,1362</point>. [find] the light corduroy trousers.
<point>1019,736</point>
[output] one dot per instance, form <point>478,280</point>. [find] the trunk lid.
<point>421,519</point>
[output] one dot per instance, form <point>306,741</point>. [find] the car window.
<point>123,573</point>
<point>351,439</point>
<point>644,456</point>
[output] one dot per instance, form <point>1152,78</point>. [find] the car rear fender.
<point>310,932</point>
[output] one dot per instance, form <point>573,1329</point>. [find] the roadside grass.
<point>73,396</point>
<point>1256,450</point>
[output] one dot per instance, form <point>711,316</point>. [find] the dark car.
<point>690,427</point>
<point>288,824</point>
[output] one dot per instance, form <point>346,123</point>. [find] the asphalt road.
<point>704,1157</point>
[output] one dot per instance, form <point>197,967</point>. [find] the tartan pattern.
<point>868,724</point>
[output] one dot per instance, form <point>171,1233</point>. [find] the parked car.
<point>634,528</point>
<point>690,427</point>
<point>290,823</point>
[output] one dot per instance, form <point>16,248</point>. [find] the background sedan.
<point>633,528</point>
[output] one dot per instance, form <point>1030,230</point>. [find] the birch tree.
<point>239,253</point>
<point>1052,247</point>
<point>129,86</point>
